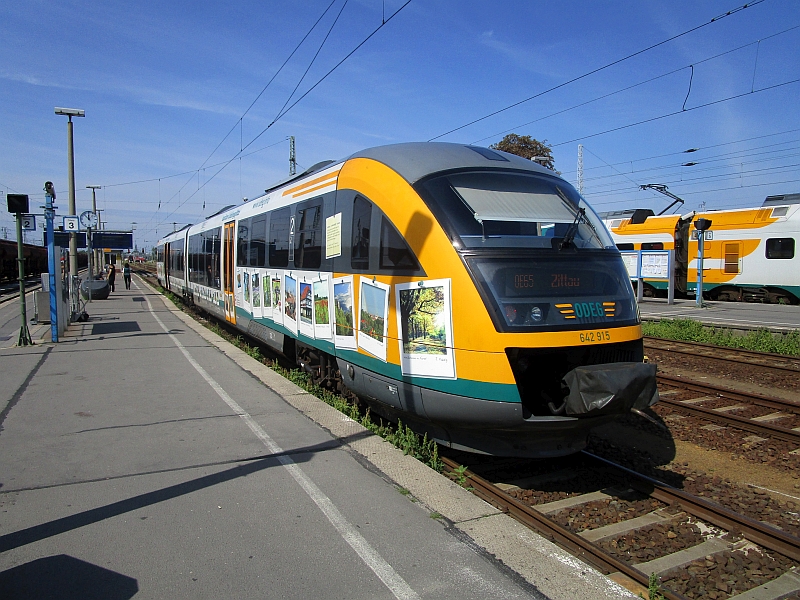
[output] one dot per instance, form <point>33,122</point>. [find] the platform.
<point>143,456</point>
<point>734,315</point>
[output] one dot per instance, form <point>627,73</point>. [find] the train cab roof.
<point>416,160</point>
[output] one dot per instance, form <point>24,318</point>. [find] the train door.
<point>228,238</point>
<point>732,258</point>
<point>167,258</point>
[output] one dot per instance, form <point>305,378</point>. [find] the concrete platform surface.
<point>735,315</point>
<point>143,456</point>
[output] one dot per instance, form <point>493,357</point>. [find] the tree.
<point>527,147</point>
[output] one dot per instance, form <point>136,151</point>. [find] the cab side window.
<point>394,251</point>
<point>362,213</point>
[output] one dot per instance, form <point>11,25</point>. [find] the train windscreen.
<point>496,209</point>
<point>538,253</point>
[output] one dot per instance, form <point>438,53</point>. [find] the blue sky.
<point>162,83</point>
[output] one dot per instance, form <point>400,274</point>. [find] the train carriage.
<point>749,254</point>
<point>472,293</point>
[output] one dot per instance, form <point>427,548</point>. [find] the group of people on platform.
<point>111,275</point>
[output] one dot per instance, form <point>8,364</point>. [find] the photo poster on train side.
<point>344,334</point>
<point>305,304</point>
<point>373,315</point>
<point>246,290</point>
<point>323,321</point>
<point>425,328</point>
<point>266,294</point>
<point>255,297</point>
<point>238,293</point>
<point>290,301</point>
<point>276,289</point>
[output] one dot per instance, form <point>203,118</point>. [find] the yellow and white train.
<point>749,253</point>
<point>471,293</point>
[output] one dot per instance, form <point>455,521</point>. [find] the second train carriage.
<point>749,253</point>
<point>469,292</point>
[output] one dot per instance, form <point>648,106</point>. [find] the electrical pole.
<point>92,261</point>
<point>73,236</point>
<point>292,158</point>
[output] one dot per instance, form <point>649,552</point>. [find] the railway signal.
<point>18,204</point>
<point>702,225</point>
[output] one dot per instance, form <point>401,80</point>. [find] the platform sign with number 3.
<point>71,224</point>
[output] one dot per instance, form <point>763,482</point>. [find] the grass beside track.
<point>760,340</point>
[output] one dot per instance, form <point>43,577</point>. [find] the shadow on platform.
<point>63,577</point>
<point>36,533</point>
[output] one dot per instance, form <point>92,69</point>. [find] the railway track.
<point>588,524</point>
<point>767,360</point>
<point>763,415</point>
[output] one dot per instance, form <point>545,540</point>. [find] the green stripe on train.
<point>497,392</point>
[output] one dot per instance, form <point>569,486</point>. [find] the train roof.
<point>412,161</point>
<point>415,160</point>
<point>782,200</point>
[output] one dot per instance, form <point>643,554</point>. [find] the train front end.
<point>546,337</point>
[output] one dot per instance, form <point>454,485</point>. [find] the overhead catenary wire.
<point>286,110</point>
<point>635,85</point>
<point>677,112</point>
<point>599,69</point>
<point>692,150</point>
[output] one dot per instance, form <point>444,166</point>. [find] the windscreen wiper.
<point>580,216</point>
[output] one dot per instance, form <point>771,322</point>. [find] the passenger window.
<point>780,248</point>
<point>362,213</point>
<point>652,245</point>
<point>279,238</point>
<point>258,241</point>
<point>625,246</point>
<point>308,250</point>
<point>243,243</point>
<point>394,252</point>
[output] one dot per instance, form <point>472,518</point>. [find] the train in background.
<point>35,259</point>
<point>469,292</point>
<point>749,253</point>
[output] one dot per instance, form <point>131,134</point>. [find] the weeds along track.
<point>623,522</point>
<point>766,360</point>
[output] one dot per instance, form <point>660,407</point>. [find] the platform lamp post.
<point>18,204</point>
<point>702,225</point>
<point>73,239</point>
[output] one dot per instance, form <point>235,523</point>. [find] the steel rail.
<point>533,519</point>
<point>709,414</point>
<point>756,531</point>
<point>724,392</point>
<point>658,343</point>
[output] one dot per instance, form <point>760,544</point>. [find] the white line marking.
<point>396,584</point>
<point>773,491</point>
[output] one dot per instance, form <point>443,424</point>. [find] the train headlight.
<point>536,314</point>
<point>511,313</point>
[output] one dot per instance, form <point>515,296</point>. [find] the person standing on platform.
<point>112,275</point>
<point>126,274</point>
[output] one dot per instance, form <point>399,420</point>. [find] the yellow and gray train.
<point>469,292</point>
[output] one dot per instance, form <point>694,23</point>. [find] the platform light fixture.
<point>73,240</point>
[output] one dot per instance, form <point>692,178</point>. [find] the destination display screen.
<point>515,282</point>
